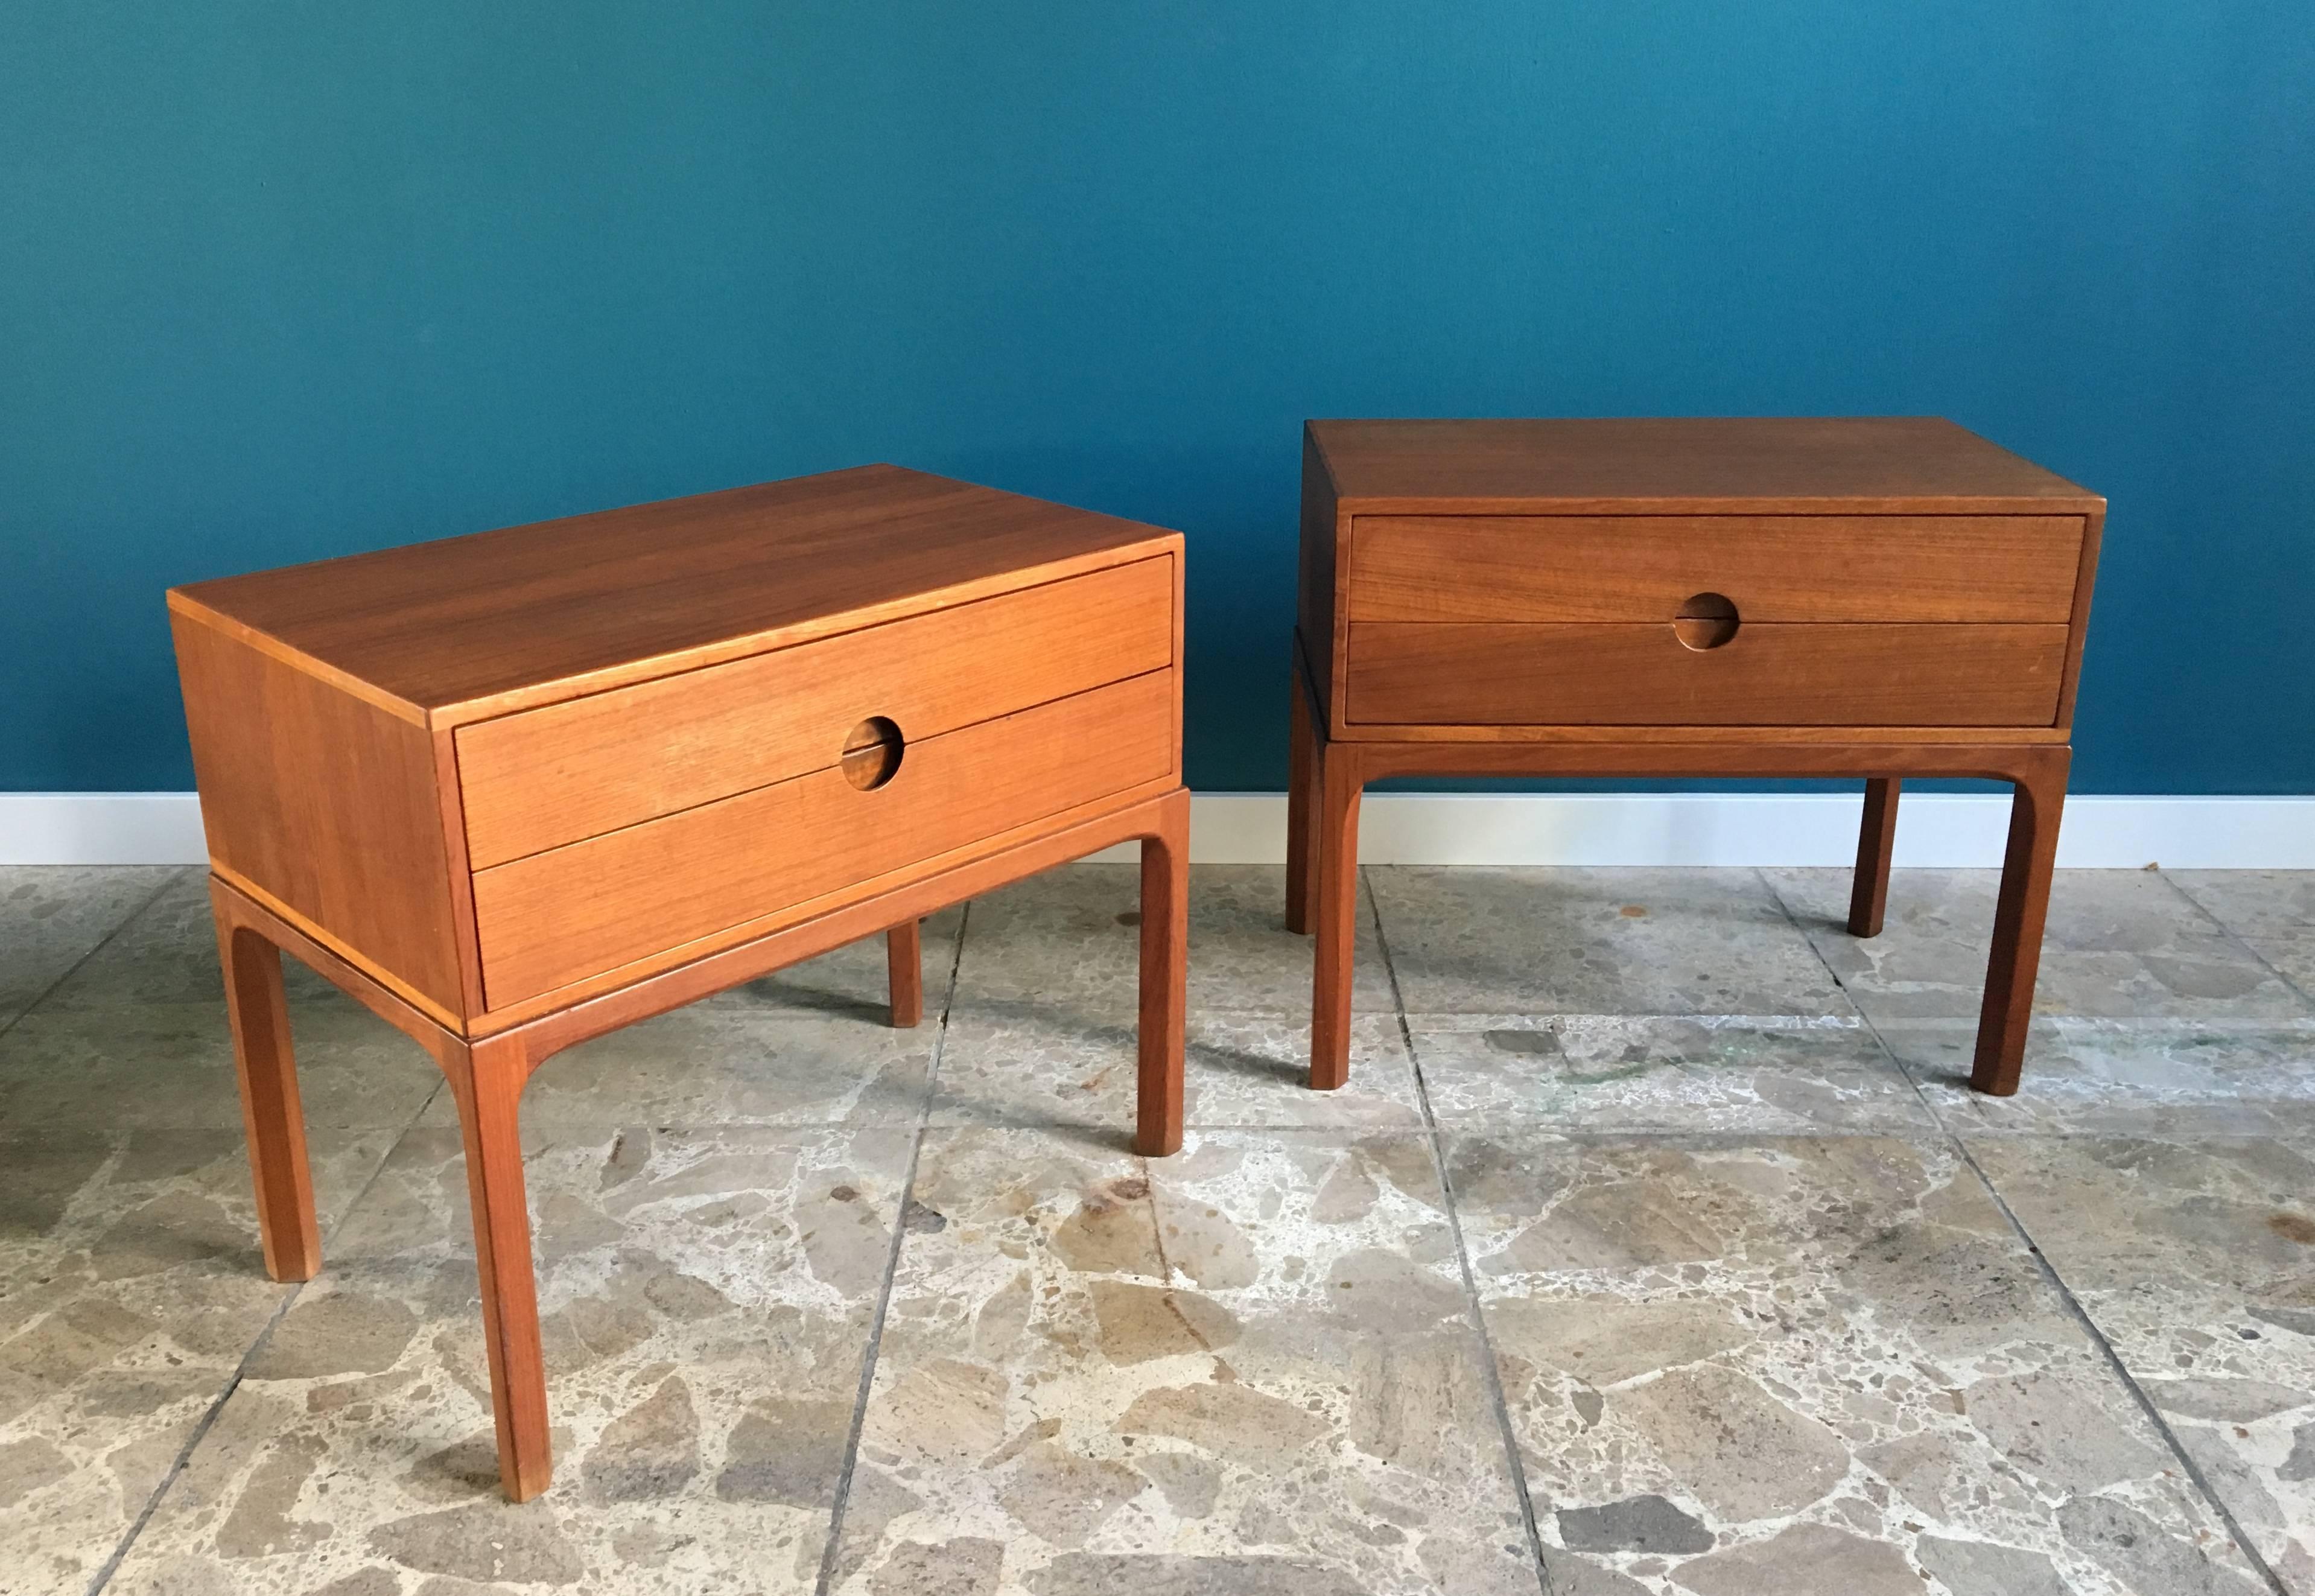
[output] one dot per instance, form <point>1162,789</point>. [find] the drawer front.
<point>554,918</point>
<point>1773,568</point>
<point>1950,674</point>
<point>550,776</point>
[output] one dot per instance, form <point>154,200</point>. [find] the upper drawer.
<point>1774,568</point>
<point>548,776</point>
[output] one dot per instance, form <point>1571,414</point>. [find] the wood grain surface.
<point>325,804</point>
<point>471,626</point>
<point>1953,674</point>
<point>1752,465</point>
<point>1775,568</point>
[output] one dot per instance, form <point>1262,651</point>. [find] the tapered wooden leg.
<point>487,1078</point>
<point>1165,980</point>
<point>1302,904</point>
<point>2018,920</point>
<point>904,955</point>
<point>270,1113</point>
<point>1868,890</point>
<point>1334,919</point>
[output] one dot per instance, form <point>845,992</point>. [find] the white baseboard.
<point>101,829</point>
<point>1934,828</point>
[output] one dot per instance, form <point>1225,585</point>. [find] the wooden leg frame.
<point>1877,841</point>
<point>904,963</point>
<point>487,1073</point>
<point>1322,851</point>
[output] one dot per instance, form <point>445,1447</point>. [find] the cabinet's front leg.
<point>1165,980</point>
<point>1336,920</point>
<point>1301,767</point>
<point>904,959</point>
<point>2038,798</point>
<point>1869,892</point>
<point>271,1113</point>
<point>487,1077</point>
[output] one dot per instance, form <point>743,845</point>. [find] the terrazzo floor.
<point>1657,1245</point>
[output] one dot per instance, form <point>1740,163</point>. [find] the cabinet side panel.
<point>326,804</point>
<point>1316,606</point>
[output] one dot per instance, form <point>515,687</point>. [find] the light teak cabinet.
<point>517,789</point>
<point>1854,597</point>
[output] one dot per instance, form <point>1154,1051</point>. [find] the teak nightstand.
<point>515,790</point>
<point>1879,597</point>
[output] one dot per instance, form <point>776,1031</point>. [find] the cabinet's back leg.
<point>1301,897</point>
<point>1335,922</point>
<point>904,957</point>
<point>1868,893</point>
<point>1164,981</point>
<point>271,1113</point>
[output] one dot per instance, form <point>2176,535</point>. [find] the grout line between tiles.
<point>101,942</point>
<point>1488,1368</point>
<point>2243,1542</point>
<point>842,1496</point>
<point>1937,1118</point>
<point>2238,939</point>
<point>112,1566</point>
<point>2049,1272</point>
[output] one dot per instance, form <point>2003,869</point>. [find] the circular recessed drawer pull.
<point>1706,621</point>
<point>872,753</point>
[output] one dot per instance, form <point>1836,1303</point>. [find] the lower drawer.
<point>1950,674</point>
<point>572,912</point>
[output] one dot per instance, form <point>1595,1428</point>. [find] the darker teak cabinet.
<point>1869,597</point>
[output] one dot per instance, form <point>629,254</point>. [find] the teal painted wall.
<point>284,280</point>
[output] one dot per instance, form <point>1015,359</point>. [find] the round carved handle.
<point>1706,621</point>
<point>872,753</point>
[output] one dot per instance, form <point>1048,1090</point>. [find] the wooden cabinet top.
<point>496,621</point>
<point>1894,465</point>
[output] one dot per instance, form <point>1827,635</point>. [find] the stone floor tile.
<point>2197,1262</point>
<point>2119,944</point>
<point>164,956</point>
<point>707,1298</point>
<point>1597,941</point>
<point>708,1288</point>
<point>137,1035</point>
<point>170,1064</point>
<point>2252,903</point>
<point>1032,1063</point>
<point>2156,1077</point>
<point>1811,1365</point>
<point>1069,936</point>
<point>2290,954</point>
<point>742,1058</point>
<point>1623,1072</point>
<point>1249,1367</point>
<point>131,1284</point>
<point>51,916</point>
